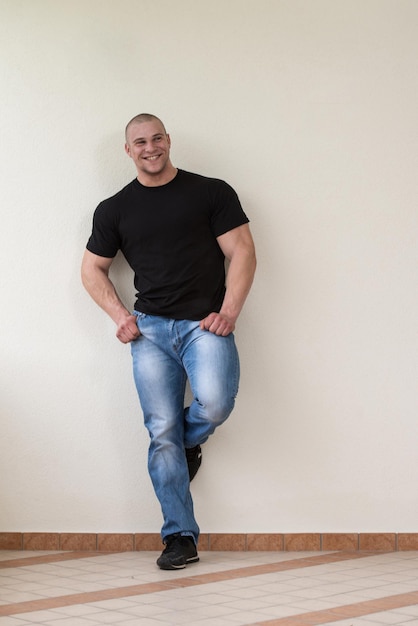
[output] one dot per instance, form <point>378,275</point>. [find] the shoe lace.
<point>170,540</point>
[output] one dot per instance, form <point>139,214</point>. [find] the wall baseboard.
<point>238,542</point>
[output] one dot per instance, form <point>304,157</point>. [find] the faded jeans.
<point>167,353</point>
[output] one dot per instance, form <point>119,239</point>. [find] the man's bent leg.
<point>212,366</point>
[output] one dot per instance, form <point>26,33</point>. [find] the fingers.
<point>127,330</point>
<point>217,324</point>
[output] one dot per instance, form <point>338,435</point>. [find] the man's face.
<point>148,145</point>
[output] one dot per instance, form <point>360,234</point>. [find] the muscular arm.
<point>238,247</point>
<point>95,278</point>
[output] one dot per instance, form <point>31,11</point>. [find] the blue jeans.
<point>167,353</point>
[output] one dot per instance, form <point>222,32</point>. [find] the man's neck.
<point>157,180</point>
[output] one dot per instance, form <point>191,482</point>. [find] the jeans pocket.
<point>139,315</point>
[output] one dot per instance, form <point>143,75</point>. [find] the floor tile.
<point>13,621</point>
<point>387,617</point>
<point>224,589</point>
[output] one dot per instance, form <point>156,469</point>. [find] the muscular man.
<point>175,229</point>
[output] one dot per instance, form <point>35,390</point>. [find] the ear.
<point>168,140</point>
<point>128,152</point>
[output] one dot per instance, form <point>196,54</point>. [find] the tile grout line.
<point>199,579</point>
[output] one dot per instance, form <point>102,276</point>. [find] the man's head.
<point>148,145</point>
<point>142,117</point>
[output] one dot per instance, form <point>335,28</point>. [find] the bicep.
<point>93,263</point>
<point>237,239</point>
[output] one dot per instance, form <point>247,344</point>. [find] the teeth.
<point>152,158</point>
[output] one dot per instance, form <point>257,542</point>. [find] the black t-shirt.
<point>168,236</point>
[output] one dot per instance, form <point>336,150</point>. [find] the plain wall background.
<point>309,109</point>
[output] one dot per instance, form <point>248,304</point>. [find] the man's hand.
<point>218,324</point>
<point>95,277</point>
<point>127,330</point>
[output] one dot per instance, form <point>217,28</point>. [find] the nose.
<point>150,148</point>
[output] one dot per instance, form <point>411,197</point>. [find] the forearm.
<point>238,247</point>
<point>98,284</point>
<point>239,280</point>
<point>101,289</point>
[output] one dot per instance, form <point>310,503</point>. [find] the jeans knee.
<point>217,412</point>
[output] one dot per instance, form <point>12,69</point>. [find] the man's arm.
<point>238,247</point>
<point>95,278</point>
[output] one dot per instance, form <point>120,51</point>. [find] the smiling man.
<point>175,229</point>
<point>148,144</point>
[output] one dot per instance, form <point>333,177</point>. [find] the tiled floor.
<point>224,589</point>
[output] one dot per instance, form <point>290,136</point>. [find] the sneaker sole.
<point>172,566</point>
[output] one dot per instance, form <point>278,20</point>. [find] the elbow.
<point>252,260</point>
<point>83,276</point>
<point>84,273</point>
<point>86,280</point>
<point>88,273</point>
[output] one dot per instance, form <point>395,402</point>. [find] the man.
<point>175,230</point>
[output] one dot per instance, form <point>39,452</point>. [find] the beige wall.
<point>309,109</point>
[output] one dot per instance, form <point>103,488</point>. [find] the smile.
<point>152,158</point>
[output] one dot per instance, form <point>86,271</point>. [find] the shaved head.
<point>143,117</point>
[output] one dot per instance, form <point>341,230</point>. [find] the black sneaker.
<point>179,552</point>
<point>194,460</point>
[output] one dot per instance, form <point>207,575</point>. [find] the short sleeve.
<point>227,212</point>
<point>104,239</point>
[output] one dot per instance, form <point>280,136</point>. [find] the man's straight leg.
<point>160,380</point>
